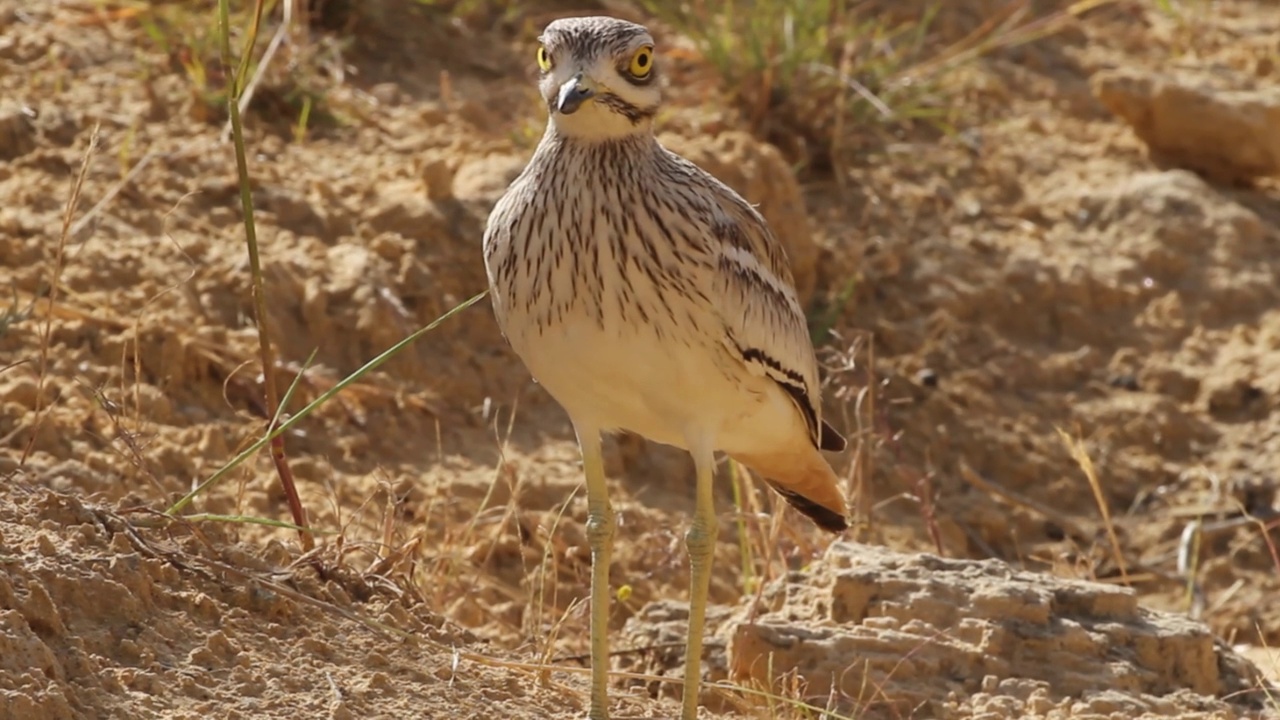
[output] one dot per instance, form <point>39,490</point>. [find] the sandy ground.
<point>1095,250</point>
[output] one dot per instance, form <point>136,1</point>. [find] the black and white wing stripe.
<point>764,322</point>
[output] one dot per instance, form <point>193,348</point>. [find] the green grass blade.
<point>323,398</point>
<point>288,394</point>
<point>252,520</point>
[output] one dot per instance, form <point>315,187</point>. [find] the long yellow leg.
<point>601,526</point>
<point>701,541</point>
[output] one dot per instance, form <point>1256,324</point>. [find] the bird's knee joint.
<point>600,527</point>
<point>699,540</point>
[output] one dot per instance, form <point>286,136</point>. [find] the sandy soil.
<point>1095,250</point>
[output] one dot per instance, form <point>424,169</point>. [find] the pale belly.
<point>669,390</point>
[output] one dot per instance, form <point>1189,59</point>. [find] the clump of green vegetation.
<point>290,76</point>
<point>187,38</point>
<point>811,67</point>
<point>821,78</point>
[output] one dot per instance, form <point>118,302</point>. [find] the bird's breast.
<point>610,252</point>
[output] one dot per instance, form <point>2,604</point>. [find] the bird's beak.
<point>574,92</point>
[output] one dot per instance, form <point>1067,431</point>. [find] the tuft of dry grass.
<point>826,78</point>
<point>1075,446</point>
<point>55,280</point>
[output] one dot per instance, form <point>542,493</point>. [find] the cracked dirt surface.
<point>1084,253</point>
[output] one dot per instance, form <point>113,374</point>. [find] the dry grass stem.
<point>267,353</point>
<point>1078,453</point>
<point>55,280</point>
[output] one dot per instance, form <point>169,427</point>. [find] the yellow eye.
<point>544,58</point>
<point>641,62</point>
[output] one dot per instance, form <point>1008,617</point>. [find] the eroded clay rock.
<point>1228,135</point>
<point>888,634</point>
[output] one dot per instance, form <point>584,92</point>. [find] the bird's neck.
<point>589,131</point>
<point>603,151</point>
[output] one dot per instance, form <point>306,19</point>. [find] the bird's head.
<point>598,77</point>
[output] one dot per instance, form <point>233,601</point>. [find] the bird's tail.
<point>806,481</point>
